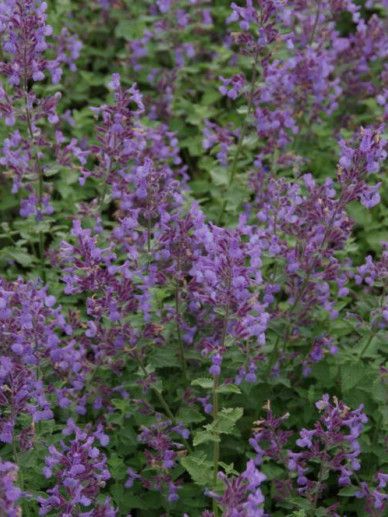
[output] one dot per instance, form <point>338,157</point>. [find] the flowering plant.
<point>194,258</point>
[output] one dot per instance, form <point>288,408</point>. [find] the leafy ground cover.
<point>194,258</point>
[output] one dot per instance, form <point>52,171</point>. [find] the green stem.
<point>216,404</point>
<point>318,486</point>
<point>39,171</point>
<point>148,235</point>
<point>306,281</point>
<point>275,352</point>
<point>181,350</point>
<point>169,413</point>
<point>273,356</point>
<point>103,193</point>
<point>216,446</point>
<point>374,333</point>
<point>316,20</point>
<point>367,344</point>
<point>243,132</point>
<point>158,393</point>
<point>20,471</point>
<point>163,403</point>
<point>105,187</point>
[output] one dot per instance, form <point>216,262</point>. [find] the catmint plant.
<point>193,258</point>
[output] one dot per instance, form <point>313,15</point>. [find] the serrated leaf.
<point>228,388</point>
<point>189,415</point>
<point>348,491</point>
<point>164,357</point>
<point>219,176</point>
<point>204,382</point>
<point>242,110</point>
<point>129,29</point>
<point>272,471</point>
<point>117,467</point>
<point>204,437</point>
<point>228,468</point>
<point>226,420</point>
<point>375,239</point>
<point>121,404</point>
<point>351,375</point>
<point>53,170</point>
<point>301,502</point>
<point>199,468</point>
<point>20,256</point>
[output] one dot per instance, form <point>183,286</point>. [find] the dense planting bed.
<point>194,258</point>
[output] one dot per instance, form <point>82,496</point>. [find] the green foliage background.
<point>196,98</point>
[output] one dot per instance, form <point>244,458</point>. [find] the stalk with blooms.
<point>203,187</point>
<point>24,30</point>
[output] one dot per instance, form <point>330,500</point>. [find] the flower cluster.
<point>221,293</point>
<point>10,494</point>
<point>24,30</point>
<point>331,446</point>
<point>321,64</point>
<point>375,497</point>
<point>161,456</point>
<point>333,442</point>
<point>242,495</point>
<point>80,471</point>
<point>359,161</point>
<point>179,249</point>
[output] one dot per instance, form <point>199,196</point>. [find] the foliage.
<point>194,258</point>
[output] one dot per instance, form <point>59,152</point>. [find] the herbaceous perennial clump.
<point>194,258</point>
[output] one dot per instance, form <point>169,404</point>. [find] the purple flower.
<point>233,86</point>
<point>80,471</point>
<point>305,438</point>
<point>24,35</point>
<point>357,162</point>
<point>10,493</point>
<point>132,476</point>
<point>215,368</point>
<point>24,29</point>
<point>330,444</point>
<point>161,456</point>
<point>242,494</point>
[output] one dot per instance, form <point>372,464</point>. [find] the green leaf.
<point>374,239</point>
<point>351,375</point>
<point>53,169</point>
<point>228,388</point>
<point>203,382</point>
<point>228,468</point>
<point>301,502</point>
<point>272,471</point>
<point>205,436</point>
<point>20,256</point>
<point>242,110</point>
<point>199,468</point>
<point>226,420</point>
<point>117,467</point>
<point>348,491</point>
<point>129,29</point>
<point>122,404</point>
<point>127,501</point>
<point>164,357</point>
<point>359,213</point>
<point>219,176</point>
<point>189,415</point>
